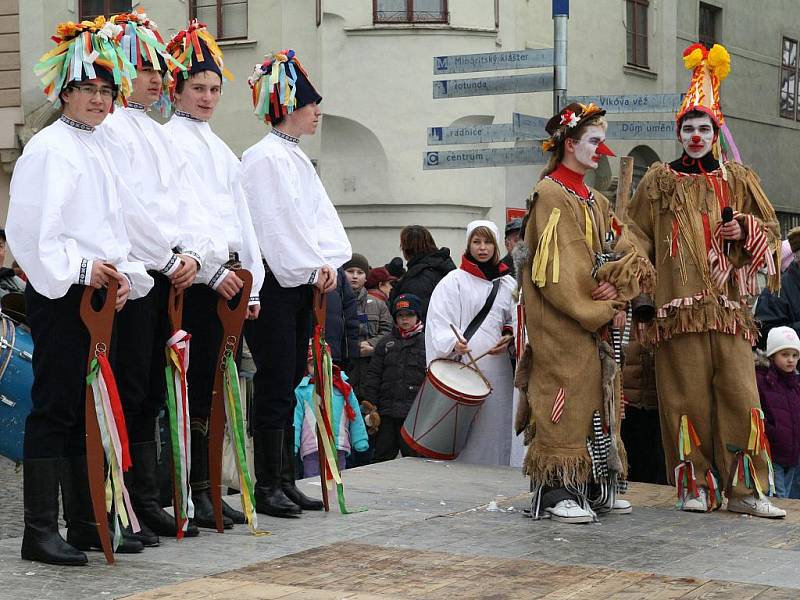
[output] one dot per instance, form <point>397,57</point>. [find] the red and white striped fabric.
<point>756,245</point>
<point>558,406</point>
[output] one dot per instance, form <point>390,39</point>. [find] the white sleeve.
<point>443,309</point>
<point>333,241</point>
<point>287,238</point>
<point>251,253</point>
<point>195,219</point>
<point>148,244</point>
<point>41,186</point>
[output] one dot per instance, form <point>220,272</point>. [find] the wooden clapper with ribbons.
<point>226,407</point>
<point>323,408</point>
<point>107,452</point>
<point>178,411</point>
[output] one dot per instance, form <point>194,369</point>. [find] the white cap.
<point>781,338</point>
<point>475,224</point>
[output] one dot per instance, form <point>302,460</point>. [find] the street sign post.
<point>629,103</point>
<point>471,134</point>
<point>487,86</point>
<point>640,130</point>
<point>490,157</point>
<point>493,61</point>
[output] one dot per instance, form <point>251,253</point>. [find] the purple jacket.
<point>780,400</point>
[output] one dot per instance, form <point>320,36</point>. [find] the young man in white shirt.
<point>66,231</point>
<point>170,232</point>
<point>217,180</point>
<point>303,243</point>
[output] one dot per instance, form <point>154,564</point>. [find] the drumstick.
<point>461,339</point>
<point>489,351</point>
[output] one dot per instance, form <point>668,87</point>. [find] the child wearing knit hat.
<point>779,390</point>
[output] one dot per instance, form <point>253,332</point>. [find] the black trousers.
<point>388,441</point>
<point>142,332</point>
<point>278,340</point>
<point>56,425</point>
<point>201,321</point>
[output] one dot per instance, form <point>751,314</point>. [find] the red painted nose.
<point>605,150</point>
<point>696,139</point>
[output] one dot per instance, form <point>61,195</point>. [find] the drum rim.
<point>422,450</point>
<point>463,397</point>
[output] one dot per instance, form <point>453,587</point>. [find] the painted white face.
<point>586,148</point>
<point>697,136</point>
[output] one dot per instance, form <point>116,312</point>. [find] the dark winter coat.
<point>424,272</point>
<point>341,321</point>
<point>395,373</point>
<point>780,310</point>
<point>780,400</point>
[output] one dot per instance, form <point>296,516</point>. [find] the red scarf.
<point>407,333</point>
<point>344,388</point>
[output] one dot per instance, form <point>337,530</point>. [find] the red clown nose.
<point>605,150</point>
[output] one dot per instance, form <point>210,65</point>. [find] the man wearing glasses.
<point>66,231</point>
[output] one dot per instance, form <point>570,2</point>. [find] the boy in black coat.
<point>395,375</point>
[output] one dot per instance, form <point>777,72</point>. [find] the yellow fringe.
<point>549,237</point>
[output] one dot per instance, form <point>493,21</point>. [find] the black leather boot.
<point>41,541</point>
<point>201,487</point>
<point>145,535</point>
<point>288,475</point>
<point>268,454</point>
<point>234,515</point>
<point>142,483</point>
<point>81,526</point>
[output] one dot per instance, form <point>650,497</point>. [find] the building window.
<point>89,9</point>
<point>789,73</point>
<point>409,11</point>
<point>226,19</point>
<point>708,28</point>
<point>636,20</point>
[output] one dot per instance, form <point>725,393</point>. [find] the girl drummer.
<point>462,299</point>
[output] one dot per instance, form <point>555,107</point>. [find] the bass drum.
<point>16,380</point>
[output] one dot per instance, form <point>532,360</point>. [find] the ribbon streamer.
<point>180,438</point>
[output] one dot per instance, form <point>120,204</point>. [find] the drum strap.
<point>476,322</point>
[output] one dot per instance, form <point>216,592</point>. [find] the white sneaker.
<point>569,511</point>
<point>692,504</point>
<point>621,507</point>
<point>758,507</point>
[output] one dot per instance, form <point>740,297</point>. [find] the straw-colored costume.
<point>711,422</point>
<point>570,363</point>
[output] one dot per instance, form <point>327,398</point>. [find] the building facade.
<point>372,61</point>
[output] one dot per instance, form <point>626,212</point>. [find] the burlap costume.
<point>703,328</point>
<point>562,323</point>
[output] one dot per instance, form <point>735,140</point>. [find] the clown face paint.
<point>697,136</point>
<point>586,149</point>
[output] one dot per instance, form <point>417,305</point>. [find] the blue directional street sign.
<point>493,61</point>
<point>630,103</point>
<point>471,134</point>
<point>490,157</point>
<point>528,127</point>
<point>487,86</point>
<point>641,130</point>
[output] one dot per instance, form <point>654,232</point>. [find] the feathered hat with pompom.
<point>280,86</point>
<point>85,50</point>
<point>709,69</point>
<point>197,50</point>
<point>142,45</point>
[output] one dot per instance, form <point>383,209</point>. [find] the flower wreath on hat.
<point>81,48</point>
<point>570,117</point>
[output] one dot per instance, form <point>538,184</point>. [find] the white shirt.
<point>295,221</point>
<point>164,213</point>
<point>65,213</point>
<point>217,175</point>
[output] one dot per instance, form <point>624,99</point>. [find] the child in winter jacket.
<point>350,432</point>
<point>779,389</point>
<point>395,375</point>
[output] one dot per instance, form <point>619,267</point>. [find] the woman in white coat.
<point>456,300</point>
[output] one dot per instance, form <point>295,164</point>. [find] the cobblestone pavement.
<point>10,499</point>
<point>431,513</point>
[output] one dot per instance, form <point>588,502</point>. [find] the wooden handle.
<point>232,320</point>
<point>99,323</point>
<point>175,308</point>
<point>320,309</point>
<point>624,185</point>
